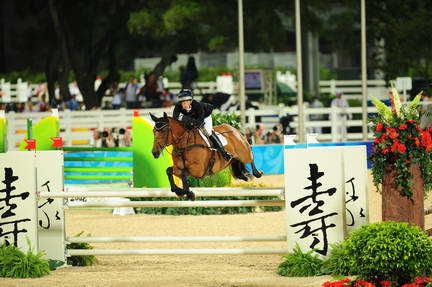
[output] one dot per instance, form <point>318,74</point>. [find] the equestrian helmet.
<point>185,95</point>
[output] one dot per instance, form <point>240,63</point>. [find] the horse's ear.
<point>165,116</point>
<point>154,118</point>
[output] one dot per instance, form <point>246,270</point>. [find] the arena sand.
<point>182,270</point>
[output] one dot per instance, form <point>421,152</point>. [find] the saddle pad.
<point>221,138</point>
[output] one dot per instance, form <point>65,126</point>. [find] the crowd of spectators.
<point>130,95</point>
<point>258,135</point>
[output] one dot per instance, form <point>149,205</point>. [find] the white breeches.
<point>208,124</point>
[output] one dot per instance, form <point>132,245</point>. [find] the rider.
<point>198,114</point>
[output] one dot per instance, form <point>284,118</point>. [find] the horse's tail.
<point>239,170</point>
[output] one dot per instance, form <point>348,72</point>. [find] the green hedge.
<point>204,210</point>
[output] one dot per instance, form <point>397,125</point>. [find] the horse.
<point>193,157</point>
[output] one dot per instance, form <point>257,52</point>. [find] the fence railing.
<point>77,127</point>
<point>352,88</point>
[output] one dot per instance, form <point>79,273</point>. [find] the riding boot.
<point>219,146</point>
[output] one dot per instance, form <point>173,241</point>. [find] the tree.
<point>86,33</point>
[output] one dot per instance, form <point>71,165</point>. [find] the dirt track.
<point>181,270</point>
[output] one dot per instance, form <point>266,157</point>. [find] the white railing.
<point>352,89</point>
<point>77,127</point>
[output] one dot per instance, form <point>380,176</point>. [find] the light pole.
<point>241,67</point>
<point>300,122</point>
<point>364,70</point>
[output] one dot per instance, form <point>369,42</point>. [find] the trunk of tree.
<point>50,71</point>
<point>160,67</point>
<point>399,208</point>
<point>113,75</point>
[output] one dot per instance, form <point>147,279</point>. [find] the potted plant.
<point>402,159</point>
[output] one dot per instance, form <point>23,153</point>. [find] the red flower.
<point>411,121</point>
<point>379,127</point>
<point>385,283</point>
<point>394,147</point>
<point>417,142</point>
<point>402,127</point>
<point>385,150</point>
<point>401,148</point>
<point>418,127</point>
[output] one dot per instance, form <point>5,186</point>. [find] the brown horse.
<point>193,157</point>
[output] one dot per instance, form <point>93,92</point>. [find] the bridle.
<point>160,129</point>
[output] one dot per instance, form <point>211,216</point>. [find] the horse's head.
<point>161,133</point>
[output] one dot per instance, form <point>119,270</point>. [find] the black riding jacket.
<point>197,114</point>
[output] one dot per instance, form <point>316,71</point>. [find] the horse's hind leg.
<point>257,173</point>
<point>239,170</point>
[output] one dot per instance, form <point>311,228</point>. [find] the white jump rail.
<point>177,239</point>
<point>71,192</point>
<point>81,252</point>
<point>197,203</point>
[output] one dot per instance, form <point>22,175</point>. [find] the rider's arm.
<point>176,112</point>
<point>199,112</point>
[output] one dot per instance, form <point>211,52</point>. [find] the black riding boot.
<point>219,146</point>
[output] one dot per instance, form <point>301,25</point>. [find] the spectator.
<point>118,96</point>
<point>275,137</point>
<point>72,104</point>
<point>43,104</point>
<point>259,135</point>
<point>249,135</point>
<point>316,103</point>
<point>131,93</point>
<point>189,75</point>
<point>168,99</point>
<point>425,120</point>
<point>102,138</point>
<point>29,107</point>
<point>121,137</point>
<point>107,106</point>
<point>341,104</point>
<point>285,123</point>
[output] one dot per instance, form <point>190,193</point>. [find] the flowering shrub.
<point>393,251</point>
<point>418,282</point>
<point>400,142</point>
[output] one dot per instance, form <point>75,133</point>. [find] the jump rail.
<point>78,252</point>
<point>198,203</point>
<point>161,192</point>
<point>176,239</point>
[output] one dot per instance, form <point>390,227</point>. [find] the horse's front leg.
<point>190,195</point>
<point>174,188</point>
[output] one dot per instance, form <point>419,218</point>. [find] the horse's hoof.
<point>258,174</point>
<point>179,192</point>
<point>190,195</point>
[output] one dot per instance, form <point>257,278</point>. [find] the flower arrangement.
<point>400,142</point>
<point>418,282</point>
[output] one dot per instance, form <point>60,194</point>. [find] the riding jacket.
<point>196,114</point>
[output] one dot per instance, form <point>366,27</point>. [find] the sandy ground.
<point>182,270</point>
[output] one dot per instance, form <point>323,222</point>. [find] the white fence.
<point>77,126</point>
<point>20,91</point>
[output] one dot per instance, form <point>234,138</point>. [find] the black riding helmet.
<point>185,95</point>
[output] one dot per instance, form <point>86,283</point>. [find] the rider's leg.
<point>208,127</point>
